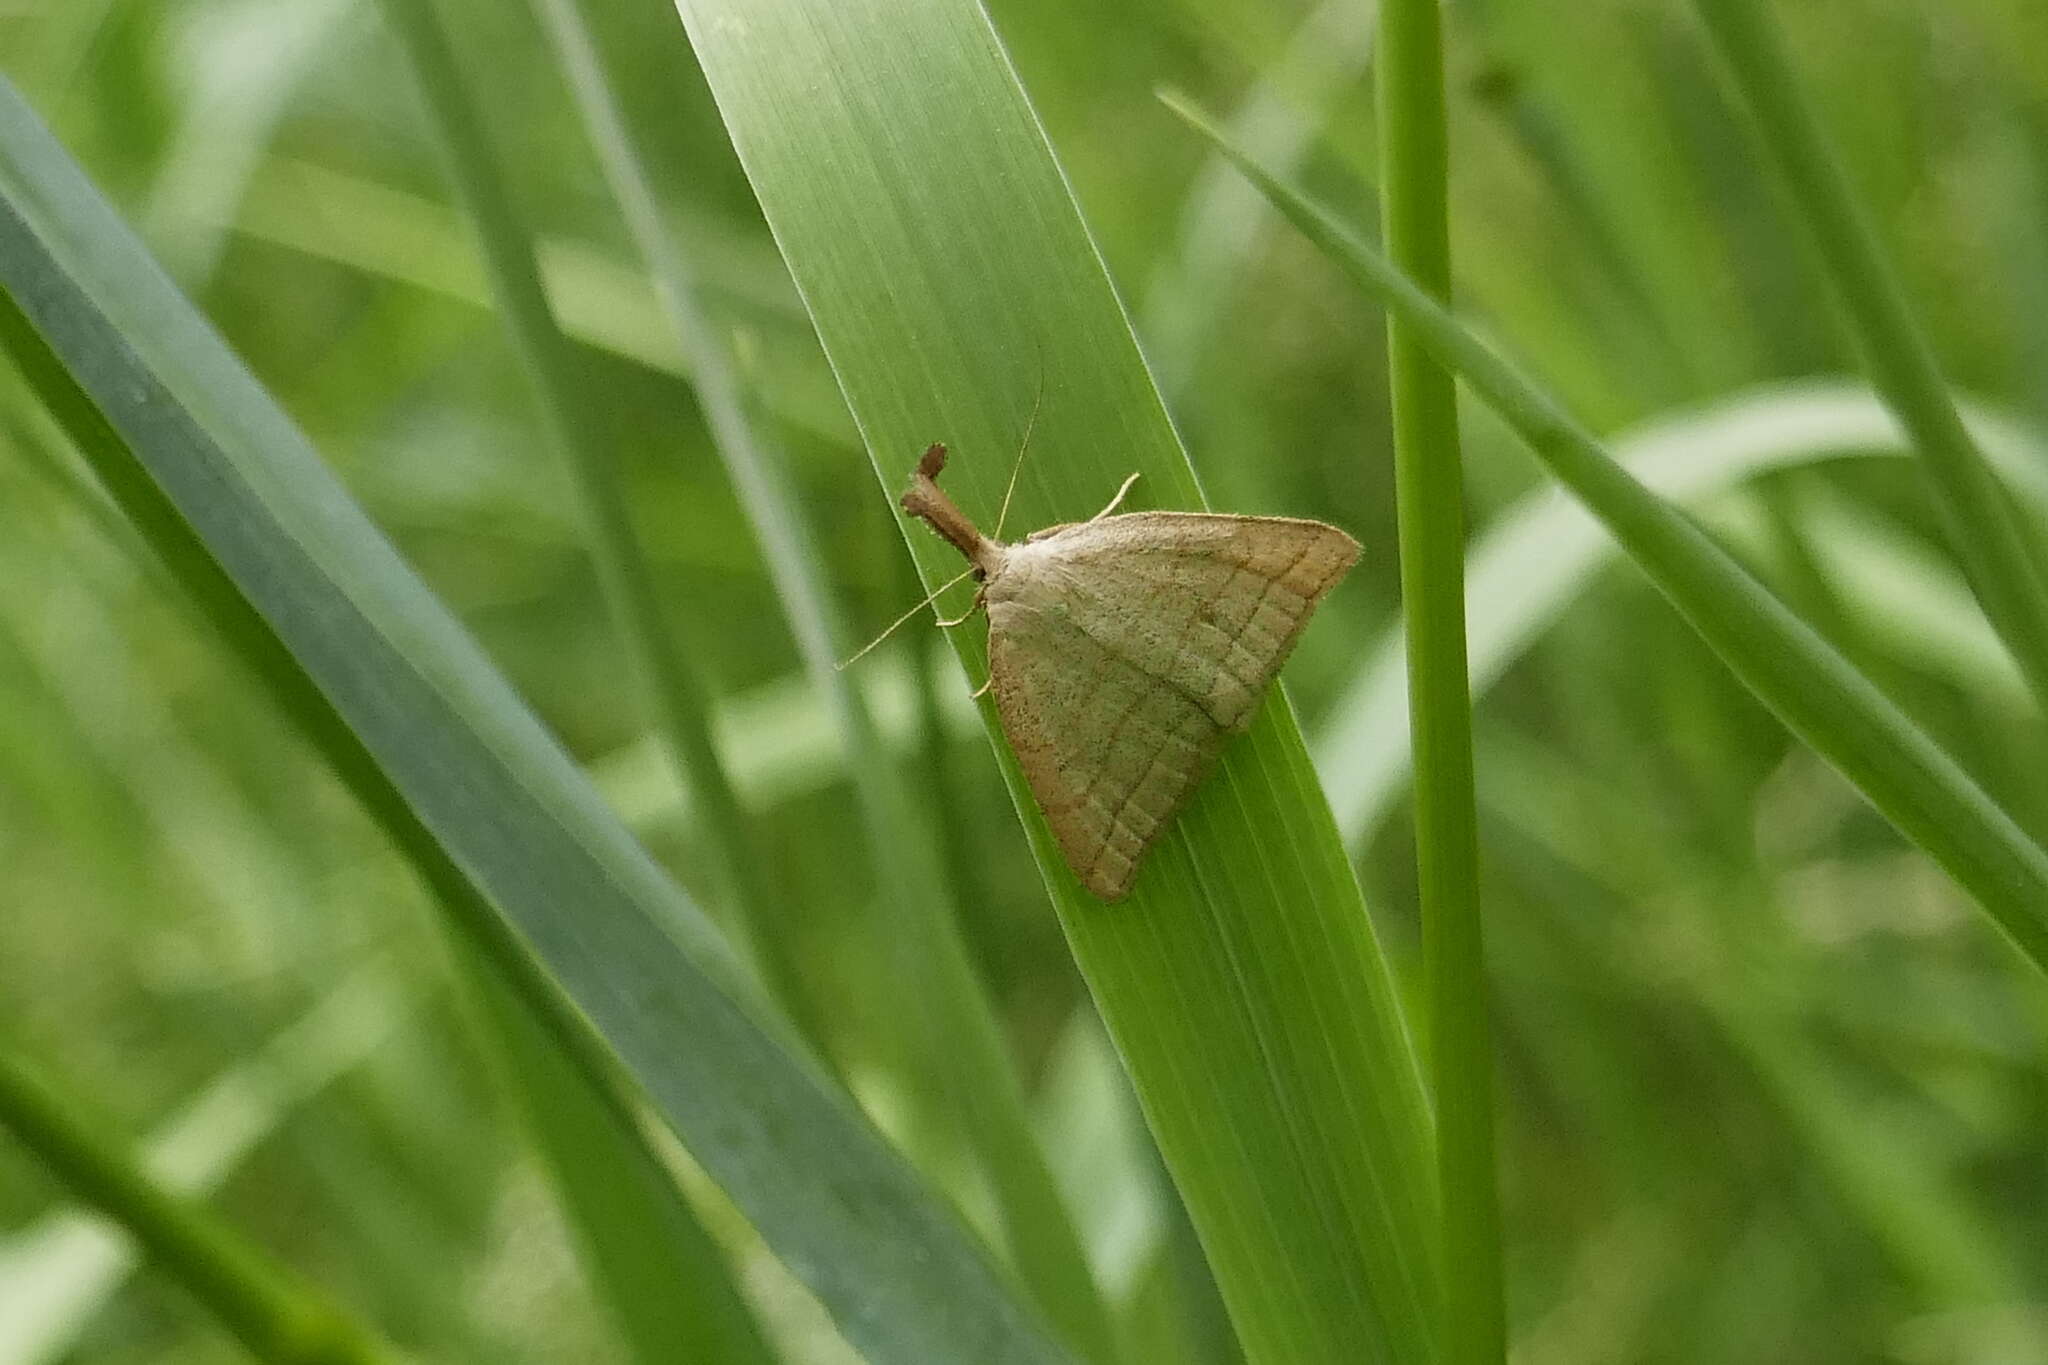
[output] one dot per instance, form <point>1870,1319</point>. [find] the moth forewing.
<point>1123,652</point>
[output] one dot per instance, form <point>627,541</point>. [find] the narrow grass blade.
<point>1824,700</point>
<point>950,278</point>
<point>2005,570</point>
<point>578,432</point>
<point>648,1256</point>
<point>261,1302</point>
<point>665,1279</point>
<point>57,1272</point>
<point>216,473</point>
<point>1203,266</point>
<point>241,64</point>
<point>1429,494</point>
<point>955,1034</point>
<point>1537,555</point>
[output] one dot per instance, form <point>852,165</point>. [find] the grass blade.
<point>949,275</point>
<point>1220,221</point>
<point>957,1037</point>
<point>1537,556</point>
<point>58,1272</point>
<point>232,474</point>
<point>566,1079</point>
<point>1818,694</point>
<point>2004,569</point>
<point>1429,494</point>
<point>672,691</point>
<point>573,1109</point>
<point>649,1257</point>
<point>260,1301</point>
<point>665,1279</point>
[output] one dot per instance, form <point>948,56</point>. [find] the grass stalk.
<point>1429,500</point>
<point>1820,696</point>
<point>1987,537</point>
<point>679,708</point>
<point>261,1302</point>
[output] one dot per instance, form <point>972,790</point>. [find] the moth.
<point>1125,650</point>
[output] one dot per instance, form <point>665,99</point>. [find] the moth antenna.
<point>1017,465</point>
<point>1118,498</point>
<point>931,597</point>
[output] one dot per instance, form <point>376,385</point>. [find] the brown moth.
<point>1124,650</point>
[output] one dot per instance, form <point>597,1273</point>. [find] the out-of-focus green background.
<point>1770,1090</point>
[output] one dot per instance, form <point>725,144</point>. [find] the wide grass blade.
<point>954,1034</point>
<point>1824,699</point>
<point>951,280</point>
<point>574,422</point>
<point>228,471</point>
<point>593,1142</point>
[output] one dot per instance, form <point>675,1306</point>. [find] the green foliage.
<point>1813,689</point>
<point>1429,502</point>
<point>1768,1087</point>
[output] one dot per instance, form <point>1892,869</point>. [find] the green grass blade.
<point>664,1278</point>
<point>1878,1167</point>
<point>648,1256</point>
<point>1817,693</point>
<point>949,275</point>
<point>1537,556</point>
<point>957,1037</point>
<point>2004,569</point>
<point>58,1272</point>
<point>1221,220</point>
<point>241,73</point>
<point>573,1092</point>
<point>260,1301</point>
<point>581,438</point>
<point>1429,494</point>
<point>232,474</point>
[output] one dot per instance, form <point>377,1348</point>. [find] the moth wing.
<point>1211,605</point>
<point>1109,753</point>
<point>1123,652</point>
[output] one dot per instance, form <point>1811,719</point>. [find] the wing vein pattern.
<point>1124,652</point>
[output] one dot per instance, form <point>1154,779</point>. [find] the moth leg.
<point>962,618</point>
<point>986,684</point>
<point>1117,499</point>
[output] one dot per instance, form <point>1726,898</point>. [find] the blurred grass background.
<point>1770,1091</point>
